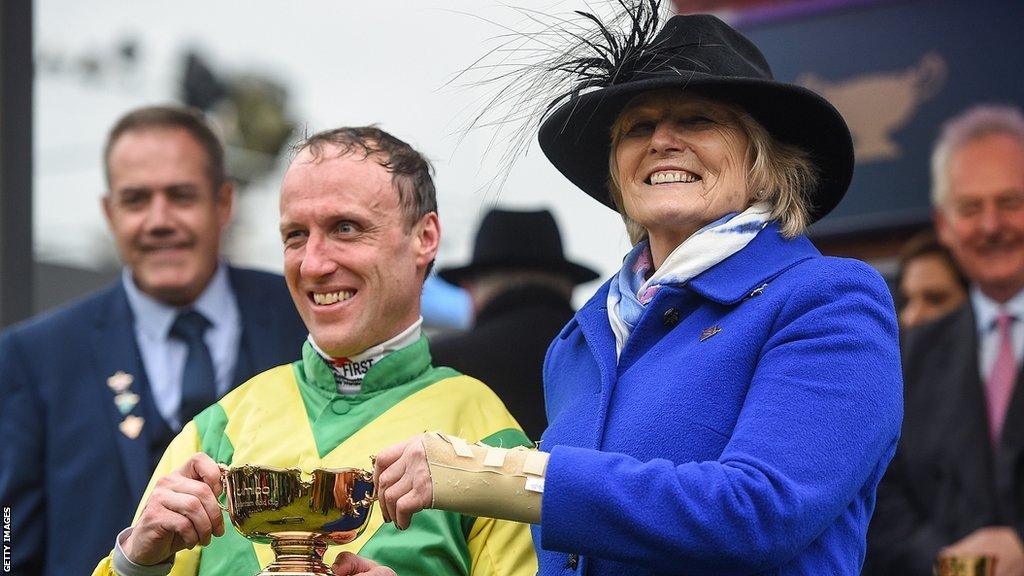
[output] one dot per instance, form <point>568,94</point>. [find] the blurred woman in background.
<point>929,282</point>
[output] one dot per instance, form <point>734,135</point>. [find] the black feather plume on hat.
<point>569,81</point>
<point>531,72</point>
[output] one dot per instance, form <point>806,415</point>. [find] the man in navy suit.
<point>91,393</point>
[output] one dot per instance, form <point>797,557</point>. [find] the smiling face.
<point>681,163</point>
<point>164,212</point>
<point>981,220</point>
<point>354,267</point>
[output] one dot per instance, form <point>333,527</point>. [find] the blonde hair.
<point>781,174</point>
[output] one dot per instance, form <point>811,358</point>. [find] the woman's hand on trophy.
<point>181,512</point>
<point>402,478</point>
<point>349,564</point>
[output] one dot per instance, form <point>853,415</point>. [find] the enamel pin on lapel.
<point>709,332</point>
<point>125,401</point>
<point>120,381</point>
<point>131,426</point>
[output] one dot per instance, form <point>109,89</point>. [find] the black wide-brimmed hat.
<point>518,240</point>
<point>702,55</point>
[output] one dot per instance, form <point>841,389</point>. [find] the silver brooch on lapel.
<point>709,332</point>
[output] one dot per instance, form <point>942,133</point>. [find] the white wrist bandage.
<point>479,480</point>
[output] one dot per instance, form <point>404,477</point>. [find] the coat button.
<point>339,406</point>
<point>670,318</point>
<point>574,561</point>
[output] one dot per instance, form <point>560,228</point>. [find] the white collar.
<point>155,318</point>
<point>986,309</point>
<point>404,338</point>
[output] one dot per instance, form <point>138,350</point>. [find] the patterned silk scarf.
<point>635,286</point>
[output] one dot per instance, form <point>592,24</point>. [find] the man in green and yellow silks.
<point>360,231</point>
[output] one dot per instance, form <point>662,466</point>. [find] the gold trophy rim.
<point>298,550</point>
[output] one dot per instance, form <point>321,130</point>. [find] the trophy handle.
<point>366,476</point>
<point>364,503</point>
<point>223,485</point>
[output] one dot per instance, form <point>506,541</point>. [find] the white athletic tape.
<point>495,457</point>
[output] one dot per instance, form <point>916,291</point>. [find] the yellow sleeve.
<point>501,548</point>
<point>184,445</point>
<point>497,547</point>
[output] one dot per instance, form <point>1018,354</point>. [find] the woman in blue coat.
<point>727,403</point>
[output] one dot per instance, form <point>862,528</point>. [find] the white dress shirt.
<point>986,311</point>
<point>164,357</point>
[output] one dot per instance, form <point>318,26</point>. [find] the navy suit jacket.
<point>70,476</point>
<point>946,481</point>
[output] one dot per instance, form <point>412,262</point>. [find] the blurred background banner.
<point>895,70</point>
<point>272,72</point>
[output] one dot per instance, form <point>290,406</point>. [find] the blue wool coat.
<point>744,429</point>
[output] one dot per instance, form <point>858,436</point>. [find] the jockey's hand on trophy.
<point>402,477</point>
<point>182,511</point>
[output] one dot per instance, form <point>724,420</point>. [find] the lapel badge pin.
<point>120,381</point>
<point>131,426</point>
<point>125,401</point>
<point>709,332</point>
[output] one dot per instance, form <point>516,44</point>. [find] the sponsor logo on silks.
<point>348,373</point>
<point>346,383</point>
<point>349,370</point>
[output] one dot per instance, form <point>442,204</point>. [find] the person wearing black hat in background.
<point>521,287</point>
<point>729,400</point>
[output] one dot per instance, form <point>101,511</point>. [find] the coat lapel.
<point>118,363</point>
<point>765,257</point>
<point>256,310</point>
<point>728,282</point>
<point>597,331</point>
<point>970,436</point>
<point>1010,457</point>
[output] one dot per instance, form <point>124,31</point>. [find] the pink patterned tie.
<point>1001,380</point>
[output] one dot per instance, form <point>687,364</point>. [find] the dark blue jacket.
<point>71,477</point>
<point>744,429</point>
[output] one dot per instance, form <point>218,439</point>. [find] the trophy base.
<point>297,554</point>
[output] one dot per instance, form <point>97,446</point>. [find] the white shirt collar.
<point>986,309</point>
<point>155,318</point>
<point>404,338</point>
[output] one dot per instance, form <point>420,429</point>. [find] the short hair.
<point>188,119</point>
<point>411,173</point>
<point>970,125</point>
<point>926,243</point>
<point>781,174</point>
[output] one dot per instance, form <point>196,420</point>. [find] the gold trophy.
<point>298,518</point>
<point>965,566</point>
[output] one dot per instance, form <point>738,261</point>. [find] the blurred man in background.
<point>956,486</point>
<point>930,283</point>
<point>521,286</point>
<point>92,393</point>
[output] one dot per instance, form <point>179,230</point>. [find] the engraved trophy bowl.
<point>298,518</point>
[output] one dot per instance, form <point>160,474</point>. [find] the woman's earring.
<point>761,195</point>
